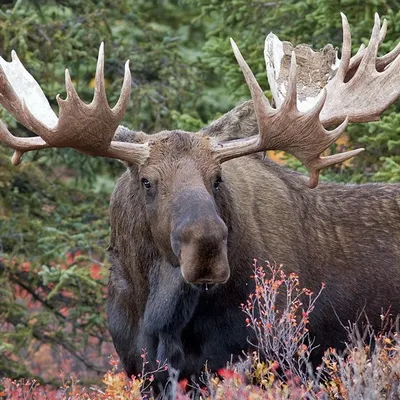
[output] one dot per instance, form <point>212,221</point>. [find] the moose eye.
<point>217,182</point>
<point>146,183</point>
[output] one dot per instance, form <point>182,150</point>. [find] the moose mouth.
<point>206,287</point>
<point>202,287</point>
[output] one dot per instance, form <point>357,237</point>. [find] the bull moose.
<point>193,210</point>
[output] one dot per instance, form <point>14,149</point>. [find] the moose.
<point>193,209</point>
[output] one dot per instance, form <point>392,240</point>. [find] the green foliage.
<point>52,275</point>
<point>382,141</point>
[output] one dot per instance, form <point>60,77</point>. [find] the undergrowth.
<point>278,368</point>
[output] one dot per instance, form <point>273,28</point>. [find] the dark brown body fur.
<point>347,236</point>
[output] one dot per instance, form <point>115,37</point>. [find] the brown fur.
<point>347,236</point>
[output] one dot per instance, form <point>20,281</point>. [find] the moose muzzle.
<point>199,239</point>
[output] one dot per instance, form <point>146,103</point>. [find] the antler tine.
<point>20,145</point>
<point>251,80</point>
<point>393,68</point>
<point>384,61</point>
<point>324,162</point>
<point>285,128</point>
<point>330,136</point>
<point>88,128</point>
<point>123,101</point>
<point>383,31</point>
<point>70,88</point>
<point>368,62</point>
<point>100,96</point>
<point>346,49</point>
<point>290,101</point>
<point>261,103</point>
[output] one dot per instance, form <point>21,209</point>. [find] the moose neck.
<point>277,218</point>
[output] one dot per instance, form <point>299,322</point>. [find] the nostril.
<point>206,236</point>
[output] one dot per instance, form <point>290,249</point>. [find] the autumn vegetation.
<point>54,228</point>
<point>278,368</point>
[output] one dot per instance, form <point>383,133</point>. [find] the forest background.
<point>54,207</point>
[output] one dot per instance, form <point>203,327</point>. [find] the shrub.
<point>278,313</point>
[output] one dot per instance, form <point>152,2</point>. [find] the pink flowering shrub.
<point>278,313</point>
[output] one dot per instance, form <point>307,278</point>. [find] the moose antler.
<point>344,99</point>
<point>286,128</point>
<point>368,92</point>
<point>88,128</point>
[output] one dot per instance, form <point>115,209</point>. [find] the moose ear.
<point>124,134</point>
<point>236,124</point>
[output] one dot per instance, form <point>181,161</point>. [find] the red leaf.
<point>183,384</point>
<point>95,271</point>
<point>226,373</point>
